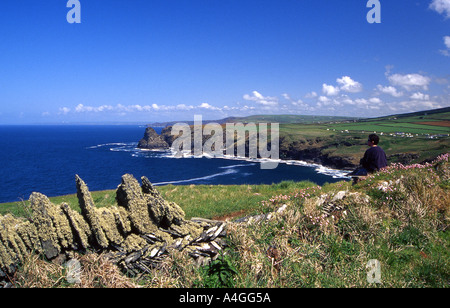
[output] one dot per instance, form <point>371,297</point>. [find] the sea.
<point>46,158</point>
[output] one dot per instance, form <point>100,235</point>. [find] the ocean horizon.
<point>46,158</point>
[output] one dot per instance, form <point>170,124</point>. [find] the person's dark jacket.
<point>374,159</point>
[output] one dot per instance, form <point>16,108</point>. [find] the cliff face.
<point>311,151</point>
<point>317,156</point>
<point>152,141</point>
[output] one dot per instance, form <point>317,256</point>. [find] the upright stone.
<point>129,195</point>
<point>89,212</point>
<point>41,209</point>
<point>80,228</point>
<point>162,212</point>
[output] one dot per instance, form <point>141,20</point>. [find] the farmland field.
<point>392,127</point>
<point>426,135</point>
<point>436,123</point>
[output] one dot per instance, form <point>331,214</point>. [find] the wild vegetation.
<point>318,236</point>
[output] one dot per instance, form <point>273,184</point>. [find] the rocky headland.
<point>310,151</point>
<point>152,140</point>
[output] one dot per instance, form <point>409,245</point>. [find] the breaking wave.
<point>147,153</point>
<point>208,177</point>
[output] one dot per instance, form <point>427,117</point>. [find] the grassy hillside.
<point>316,236</point>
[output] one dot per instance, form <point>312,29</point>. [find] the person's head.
<point>373,140</point>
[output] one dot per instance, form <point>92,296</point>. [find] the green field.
<point>393,126</point>
<point>401,134</point>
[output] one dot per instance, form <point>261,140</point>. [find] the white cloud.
<point>108,107</point>
<point>347,100</point>
<point>296,105</point>
<point>330,90</point>
<point>447,41</point>
<point>389,90</point>
<point>361,101</point>
<point>286,96</point>
<point>375,100</point>
<point>441,6</point>
<point>311,95</point>
<point>446,52</point>
<point>64,110</point>
<point>208,106</point>
<point>324,99</point>
<point>184,107</point>
<point>82,108</point>
<point>417,105</point>
<point>262,100</point>
<point>345,84</point>
<point>420,96</point>
<point>410,81</point>
<point>349,85</point>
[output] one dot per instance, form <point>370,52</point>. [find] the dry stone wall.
<point>138,233</point>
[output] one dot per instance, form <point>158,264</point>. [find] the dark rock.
<point>152,140</point>
<point>403,158</point>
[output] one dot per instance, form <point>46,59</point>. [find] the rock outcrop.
<point>152,140</point>
<point>311,151</point>
<point>137,233</point>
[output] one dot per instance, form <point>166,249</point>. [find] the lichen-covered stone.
<point>134,242</point>
<point>109,225</point>
<point>138,233</point>
<point>130,196</point>
<point>42,209</point>
<point>29,235</point>
<point>10,251</point>
<point>5,259</point>
<point>188,228</point>
<point>122,220</point>
<point>80,228</point>
<point>63,229</point>
<point>89,212</point>
<point>162,212</point>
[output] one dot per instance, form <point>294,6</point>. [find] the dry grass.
<point>97,271</point>
<point>177,270</point>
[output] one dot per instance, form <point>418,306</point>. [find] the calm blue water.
<point>46,159</point>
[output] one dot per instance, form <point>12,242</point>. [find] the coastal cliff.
<point>310,151</point>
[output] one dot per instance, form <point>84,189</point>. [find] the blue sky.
<point>147,61</point>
